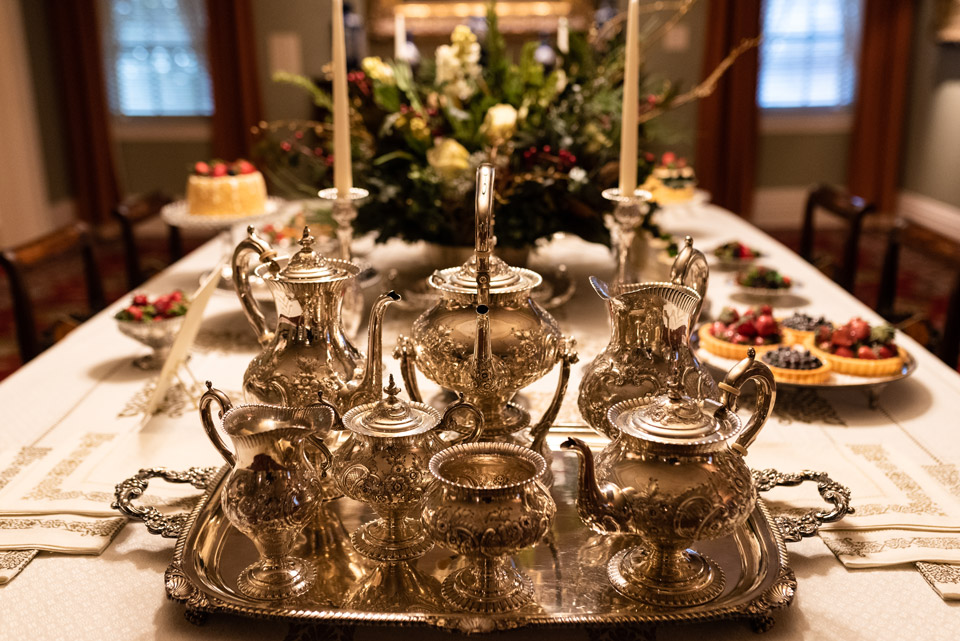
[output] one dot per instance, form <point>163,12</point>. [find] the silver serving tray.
<point>568,570</point>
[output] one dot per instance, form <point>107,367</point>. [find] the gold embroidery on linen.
<point>49,488</point>
<point>102,527</point>
<point>176,402</point>
<point>24,457</point>
<point>919,502</point>
<point>16,559</point>
<point>948,476</point>
<point>939,572</point>
<point>848,546</point>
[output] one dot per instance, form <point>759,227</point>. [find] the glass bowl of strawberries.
<point>155,322</point>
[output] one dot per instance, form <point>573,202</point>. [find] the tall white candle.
<point>342,173</point>
<point>399,36</point>
<point>563,35</point>
<point>631,104</point>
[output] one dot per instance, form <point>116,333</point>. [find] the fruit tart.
<point>801,328</point>
<point>796,365</point>
<point>732,334</point>
<point>760,277</point>
<point>858,349</point>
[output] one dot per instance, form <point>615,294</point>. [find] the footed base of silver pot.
<point>274,582</point>
<point>507,589</point>
<point>404,542</point>
<point>675,578</point>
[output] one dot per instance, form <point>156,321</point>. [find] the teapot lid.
<point>309,265</point>
<point>391,416</point>
<point>674,421</point>
<point>503,278</point>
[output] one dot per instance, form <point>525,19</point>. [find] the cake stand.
<point>232,228</point>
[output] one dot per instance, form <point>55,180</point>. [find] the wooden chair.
<point>933,245</point>
<point>71,239</point>
<point>850,209</point>
<point>130,214</point>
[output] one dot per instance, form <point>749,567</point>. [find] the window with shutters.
<point>155,56</point>
<point>808,57</point>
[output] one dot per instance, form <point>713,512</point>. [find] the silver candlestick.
<point>624,225</point>
<point>344,208</point>
<point>344,211</point>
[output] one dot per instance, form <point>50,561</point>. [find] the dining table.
<point>78,410</point>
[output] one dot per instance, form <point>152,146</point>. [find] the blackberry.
<point>789,358</point>
<point>805,322</point>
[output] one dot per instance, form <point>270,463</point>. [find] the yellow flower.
<point>378,70</point>
<point>419,128</point>
<point>449,158</point>
<point>499,124</point>
<point>462,36</point>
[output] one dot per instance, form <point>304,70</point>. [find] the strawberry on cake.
<point>218,188</point>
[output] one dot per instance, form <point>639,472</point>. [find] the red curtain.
<point>233,72</point>
<point>880,110</point>
<point>76,36</point>
<point>727,121</point>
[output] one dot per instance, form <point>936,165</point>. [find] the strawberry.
<point>202,169</point>
<point>717,328</point>
<point>758,340</point>
<point>765,325</point>
<point>176,296</point>
<point>786,281</point>
<point>747,328</point>
<point>842,338</point>
<point>823,335</point>
<point>846,352</point>
<point>866,353</point>
<point>859,330</point>
<point>140,300</point>
<point>246,167</point>
<point>668,158</point>
<point>885,351</point>
<point>135,312</point>
<point>766,309</point>
<point>219,170</point>
<point>740,339</point>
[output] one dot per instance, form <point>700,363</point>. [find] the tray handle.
<point>795,528</point>
<point>166,525</point>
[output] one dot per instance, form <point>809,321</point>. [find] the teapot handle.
<point>749,369</point>
<point>447,424</point>
<point>250,245</point>
<point>216,396</point>
<point>326,457</point>
<point>337,423</point>
<point>690,268</point>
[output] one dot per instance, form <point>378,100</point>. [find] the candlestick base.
<point>628,241</point>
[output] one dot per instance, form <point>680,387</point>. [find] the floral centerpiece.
<point>419,134</point>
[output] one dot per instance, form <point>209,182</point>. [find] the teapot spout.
<point>603,291</point>
<point>368,390</point>
<point>597,506</point>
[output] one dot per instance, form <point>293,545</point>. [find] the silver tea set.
<point>474,477</point>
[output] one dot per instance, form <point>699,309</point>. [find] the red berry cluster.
<point>735,250</point>
<point>857,339</point>
<point>144,310</point>
<point>755,327</point>
<point>219,168</point>
<point>359,80</point>
<point>564,158</point>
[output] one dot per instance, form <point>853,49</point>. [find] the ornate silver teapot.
<point>674,475</point>
<point>308,351</point>
<point>384,463</point>
<point>650,327</point>
<point>519,340</point>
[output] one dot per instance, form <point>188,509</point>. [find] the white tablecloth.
<point>120,595</point>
